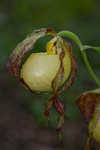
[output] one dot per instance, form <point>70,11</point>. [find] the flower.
<point>40,69</point>
<point>89,105</point>
<point>44,72</point>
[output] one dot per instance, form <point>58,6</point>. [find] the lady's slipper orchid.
<point>40,69</point>
<point>89,105</point>
<point>43,72</point>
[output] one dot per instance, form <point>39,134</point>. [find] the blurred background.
<point>23,124</point>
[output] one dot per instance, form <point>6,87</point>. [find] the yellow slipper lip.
<point>40,69</point>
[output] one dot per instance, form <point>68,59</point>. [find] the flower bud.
<point>89,105</point>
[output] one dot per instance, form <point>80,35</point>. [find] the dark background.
<point>22,121</point>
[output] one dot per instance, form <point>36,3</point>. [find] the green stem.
<point>71,36</point>
<point>82,49</point>
<point>90,68</point>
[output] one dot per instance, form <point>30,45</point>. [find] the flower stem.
<point>71,36</point>
<point>90,68</point>
<point>82,49</point>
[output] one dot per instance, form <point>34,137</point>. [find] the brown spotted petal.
<point>65,55</point>
<point>22,48</point>
<point>72,77</point>
<point>60,74</point>
<point>87,103</point>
